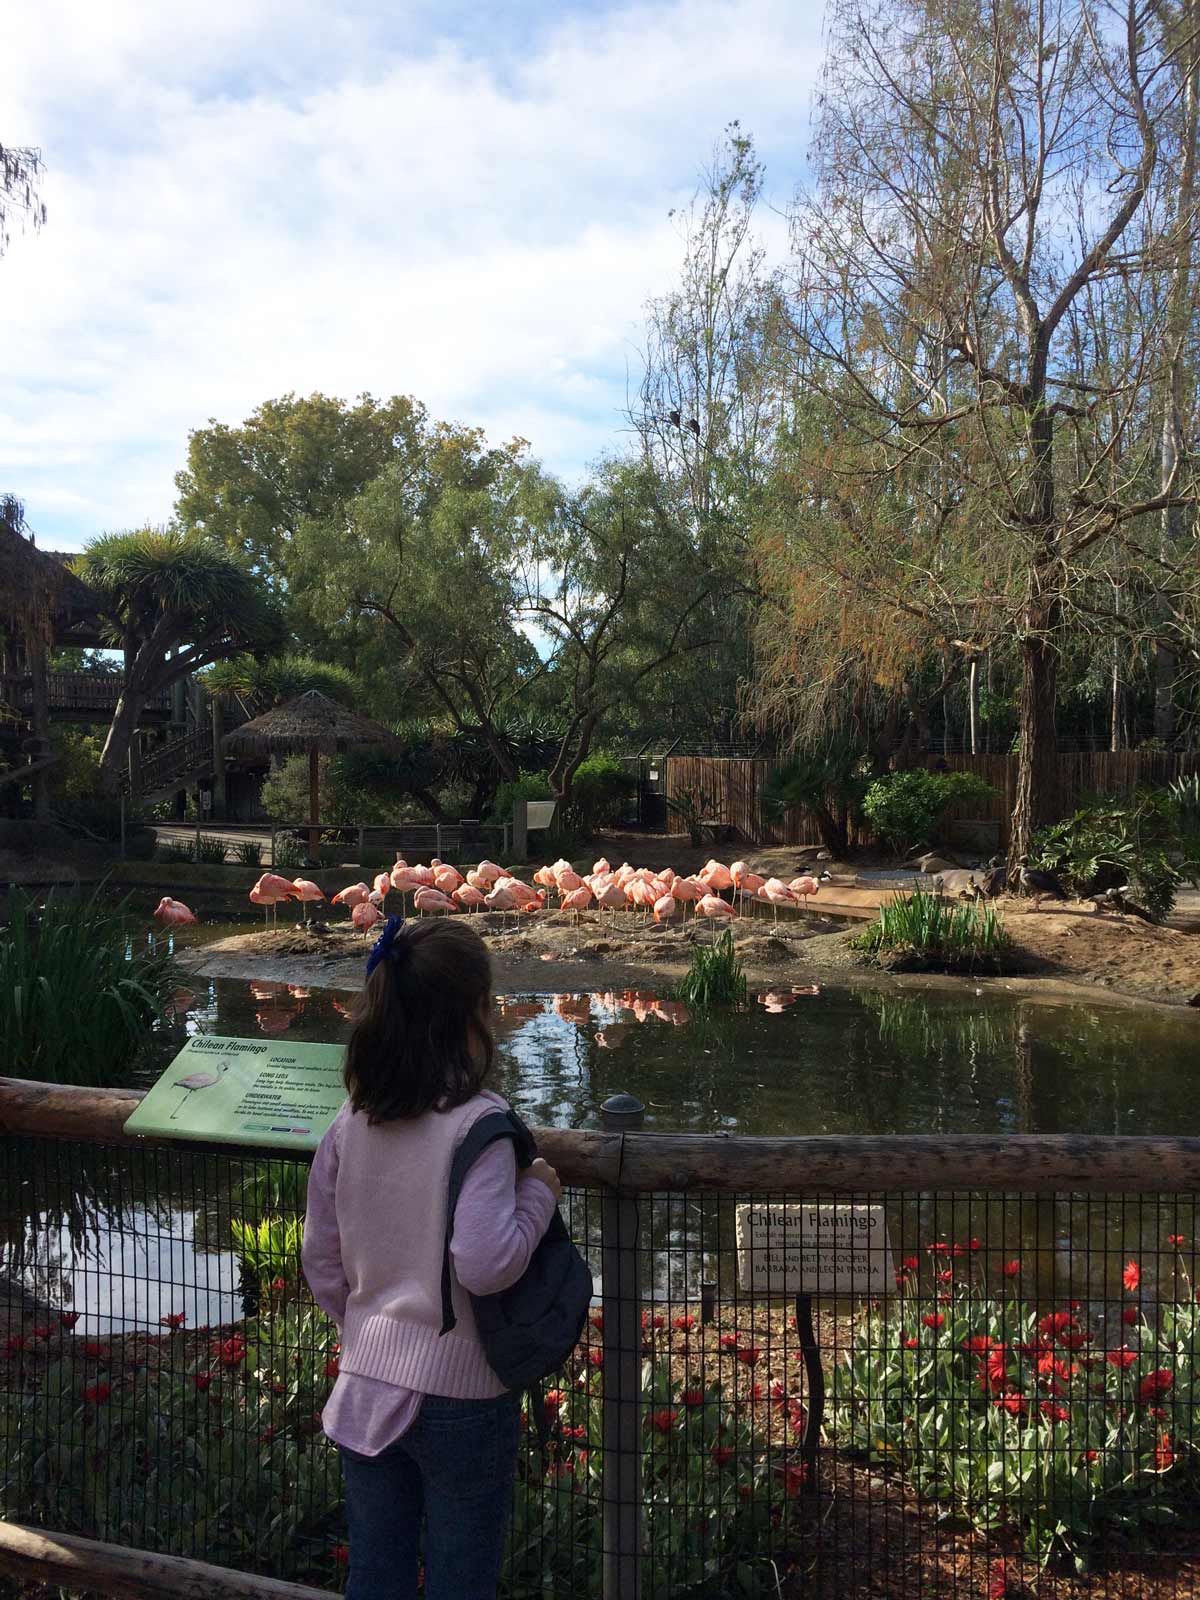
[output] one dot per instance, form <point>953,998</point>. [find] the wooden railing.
<point>174,761</point>
<point>76,691</point>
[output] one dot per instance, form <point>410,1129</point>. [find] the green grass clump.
<point>77,1003</point>
<point>248,853</point>
<point>289,851</point>
<point>270,1247</point>
<point>939,931</point>
<point>715,976</point>
<point>175,850</point>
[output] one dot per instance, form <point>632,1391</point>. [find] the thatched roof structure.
<point>311,722</point>
<point>39,596</point>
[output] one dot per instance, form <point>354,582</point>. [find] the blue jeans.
<point>453,1471</point>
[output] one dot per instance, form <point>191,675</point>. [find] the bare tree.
<point>989,179</point>
<point>21,172</point>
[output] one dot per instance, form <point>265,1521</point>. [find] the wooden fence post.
<point>621,1299</point>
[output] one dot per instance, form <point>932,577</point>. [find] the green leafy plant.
<point>1021,1418</point>
<point>1112,841</point>
<point>175,850</point>
<point>79,997</point>
<point>600,789</point>
<point>526,786</point>
<point>906,808</point>
<point>248,853</point>
<point>715,976</point>
<point>924,926</point>
<point>829,782</point>
<point>289,851</point>
<point>694,807</point>
<point>210,849</point>
<point>269,1247</point>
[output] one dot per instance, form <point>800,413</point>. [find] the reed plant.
<point>248,853</point>
<point>211,849</point>
<point>926,926</point>
<point>79,1003</point>
<point>715,976</point>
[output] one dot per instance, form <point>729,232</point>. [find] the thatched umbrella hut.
<point>314,723</point>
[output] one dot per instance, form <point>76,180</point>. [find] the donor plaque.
<point>814,1250</point>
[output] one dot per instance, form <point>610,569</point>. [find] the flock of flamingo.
<point>440,889</point>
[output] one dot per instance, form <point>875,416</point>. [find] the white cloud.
<point>247,198</point>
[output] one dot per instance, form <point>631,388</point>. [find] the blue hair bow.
<point>383,945</point>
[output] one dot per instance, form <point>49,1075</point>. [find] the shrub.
<point>600,790</point>
<point>248,853</point>
<point>715,976</point>
<point>77,800</point>
<point>289,851</point>
<point>1026,1420</point>
<point>525,786</point>
<point>1112,841</point>
<point>694,807</point>
<point>79,999</point>
<point>905,808</point>
<point>830,783</point>
<point>924,925</point>
<point>210,849</point>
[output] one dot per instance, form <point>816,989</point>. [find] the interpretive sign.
<point>246,1091</point>
<point>807,1250</point>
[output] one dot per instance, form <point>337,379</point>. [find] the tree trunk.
<point>121,730</point>
<point>1037,763</point>
<point>973,705</point>
<point>314,803</point>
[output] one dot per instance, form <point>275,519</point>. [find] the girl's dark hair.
<point>420,1039</point>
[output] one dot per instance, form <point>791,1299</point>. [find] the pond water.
<point>127,1241</point>
<point>803,1059</point>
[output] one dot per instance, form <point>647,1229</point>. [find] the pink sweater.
<point>373,1258</point>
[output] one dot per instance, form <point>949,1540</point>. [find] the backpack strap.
<point>483,1132</point>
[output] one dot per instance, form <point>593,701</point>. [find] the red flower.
<point>231,1351</point>
<point>941,1248</point>
<point>1012,1269</point>
<point>1155,1384</point>
<point>97,1393</point>
<point>68,1319</point>
<point>1056,1413</point>
<point>911,1263</point>
<point>728,1341</point>
<point>685,1324</point>
<point>947,1276</point>
<point>749,1355</point>
<point>692,1398</point>
<point>779,1395</point>
<point>975,1245</point>
<point>663,1421</point>
<point>979,1343</point>
<point>1056,1322</point>
<point>1132,1275</point>
<point>202,1380</point>
<point>1122,1359</point>
<point>901,1280</point>
<point>993,1374</point>
<point>278,1285</point>
<point>597,1321</point>
<point>15,1345</point>
<point>331,1367</point>
<point>933,1319</point>
<point>173,1320</point>
<point>553,1399</point>
<point>596,1357</point>
<point>997,1587</point>
<point>659,1323</point>
<point>909,1342</point>
<point>1130,1315</point>
<point>794,1479</point>
<point>46,1331</point>
<point>92,1348</point>
<point>341,1554</point>
<point>722,1454</point>
<point>1164,1455</point>
<point>1014,1404</point>
<point>1177,1239</point>
<point>1089,1456</point>
<point>1073,1341</point>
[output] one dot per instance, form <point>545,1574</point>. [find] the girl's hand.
<point>545,1173</point>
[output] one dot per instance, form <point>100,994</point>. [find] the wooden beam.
<point>735,1163</point>
<point>40,1556</point>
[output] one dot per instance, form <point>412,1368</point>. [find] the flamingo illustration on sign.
<point>194,1082</point>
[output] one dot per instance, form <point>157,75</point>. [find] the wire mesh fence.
<point>1014,1412</point>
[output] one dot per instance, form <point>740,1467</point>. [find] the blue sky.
<point>464,202</point>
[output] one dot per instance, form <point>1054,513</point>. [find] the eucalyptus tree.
<point>987,178</point>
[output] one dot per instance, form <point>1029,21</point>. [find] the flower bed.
<point>1028,1420</point>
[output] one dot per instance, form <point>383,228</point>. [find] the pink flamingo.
<point>664,909</point>
<point>489,872</point>
<point>427,899</point>
<point>687,890</point>
<point>270,890</point>
<point>601,866</point>
<point>468,897</point>
<point>172,913</point>
<point>567,880</point>
<point>713,909</point>
<point>502,899</point>
<point>447,878</point>
<point>577,900</point>
<point>717,876</point>
<point>612,897</point>
<point>307,892</point>
<point>353,895</point>
<point>776,894</point>
<point>804,886</point>
<point>381,885</point>
<point>364,916</point>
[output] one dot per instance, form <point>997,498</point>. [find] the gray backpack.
<point>530,1329</point>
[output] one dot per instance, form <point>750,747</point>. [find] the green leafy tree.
<point>294,458</point>
<point>173,601</point>
<point>261,684</point>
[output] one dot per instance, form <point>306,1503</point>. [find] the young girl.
<point>426,1431</point>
